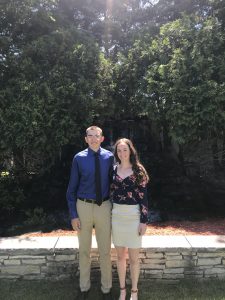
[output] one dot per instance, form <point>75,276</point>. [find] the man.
<point>89,205</point>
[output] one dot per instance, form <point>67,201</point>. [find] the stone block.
<point>191,257</point>
<point>8,276</point>
<point>4,252</point>
<point>27,252</point>
<point>28,257</point>
<point>152,266</point>
<point>12,262</point>
<point>60,263</point>
<point>61,257</point>
<point>204,267</point>
<point>44,269</point>
<point>172,275</point>
<point>179,263</point>
<point>209,261</point>
<point>35,261</point>
<point>142,255</point>
<point>188,253</point>
<point>153,272</point>
<point>20,270</point>
<point>154,261</point>
<point>193,272</point>
<point>58,251</point>
<point>173,257</point>
<point>210,275</point>
<point>150,254</point>
<point>208,254</point>
<point>215,271</point>
<point>172,253</point>
<point>153,276</point>
<point>193,276</point>
<point>174,271</point>
<point>34,277</point>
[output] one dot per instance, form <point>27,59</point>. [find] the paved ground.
<point>154,242</point>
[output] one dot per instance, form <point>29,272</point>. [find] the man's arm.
<point>71,194</point>
<point>111,168</point>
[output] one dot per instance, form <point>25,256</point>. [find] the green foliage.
<point>185,81</point>
<point>35,217</point>
<point>11,197</point>
<point>47,94</point>
<point>65,63</point>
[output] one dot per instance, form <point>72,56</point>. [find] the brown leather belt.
<point>93,201</point>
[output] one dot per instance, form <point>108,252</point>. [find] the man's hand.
<point>76,224</point>
<point>142,228</point>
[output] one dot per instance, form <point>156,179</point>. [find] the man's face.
<point>94,139</point>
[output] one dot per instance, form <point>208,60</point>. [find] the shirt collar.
<point>90,151</point>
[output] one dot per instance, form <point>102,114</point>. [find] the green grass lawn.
<point>66,290</point>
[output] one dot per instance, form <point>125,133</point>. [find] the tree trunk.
<point>181,159</point>
<point>19,169</point>
<point>223,153</point>
<point>215,154</point>
<point>166,137</point>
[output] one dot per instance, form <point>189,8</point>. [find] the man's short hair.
<point>94,128</point>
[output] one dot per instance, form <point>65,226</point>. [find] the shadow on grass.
<point>67,290</point>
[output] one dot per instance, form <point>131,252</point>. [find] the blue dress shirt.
<point>82,177</point>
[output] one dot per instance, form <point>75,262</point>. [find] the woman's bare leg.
<point>121,269</point>
<point>134,271</point>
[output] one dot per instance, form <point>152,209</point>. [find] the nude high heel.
<point>123,293</point>
<point>134,295</point>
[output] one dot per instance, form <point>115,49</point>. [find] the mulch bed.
<point>211,226</point>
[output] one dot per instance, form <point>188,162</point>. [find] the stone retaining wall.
<point>164,265</point>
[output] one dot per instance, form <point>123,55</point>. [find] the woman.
<point>129,213</point>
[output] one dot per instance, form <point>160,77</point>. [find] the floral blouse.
<point>126,191</point>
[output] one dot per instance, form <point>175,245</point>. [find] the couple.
<point>89,205</point>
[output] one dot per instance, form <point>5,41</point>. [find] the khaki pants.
<point>99,216</point>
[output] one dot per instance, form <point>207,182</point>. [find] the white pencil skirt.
<point>125,222</point>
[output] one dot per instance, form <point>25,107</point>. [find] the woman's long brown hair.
<point>139,171</point>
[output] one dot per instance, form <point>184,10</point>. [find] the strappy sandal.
<point>123,289</point>
<point>135,294</point>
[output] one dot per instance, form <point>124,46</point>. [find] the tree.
<point>189,80</point>
<point>48,83</point>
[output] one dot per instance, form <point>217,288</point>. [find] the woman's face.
<point>123,152</point>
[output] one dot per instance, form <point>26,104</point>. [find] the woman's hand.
<point>142,228</point>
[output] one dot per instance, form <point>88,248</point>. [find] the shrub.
<point>11,197</point>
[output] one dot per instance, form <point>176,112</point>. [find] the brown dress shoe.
<point>82,295</point>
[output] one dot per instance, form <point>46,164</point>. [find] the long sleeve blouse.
<point>127,191</point>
